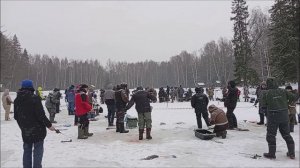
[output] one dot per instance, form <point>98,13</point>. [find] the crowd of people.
<point>275,104</point>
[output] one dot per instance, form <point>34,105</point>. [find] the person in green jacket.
<point>275,101</point>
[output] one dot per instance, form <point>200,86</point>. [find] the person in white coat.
<point>6,102</point>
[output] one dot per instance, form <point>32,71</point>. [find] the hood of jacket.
<point>212,108</point>
<point>272,83</point>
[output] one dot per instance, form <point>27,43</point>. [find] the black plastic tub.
<point>204,134</point>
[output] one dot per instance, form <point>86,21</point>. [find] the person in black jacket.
<point>230,103</point>
<point>142,105</point>
<point>32,121</point>
<point>199,102</point>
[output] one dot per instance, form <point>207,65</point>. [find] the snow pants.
<point>52,112</point>
<point>83,121</point>
<point>120,116</point>
<point>232,122</point>
<point>284,130</point>
<point>144,119</point>
<point>205,117</point>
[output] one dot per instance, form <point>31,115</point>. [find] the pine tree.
<point>285,37</point>
<point>241,44</point>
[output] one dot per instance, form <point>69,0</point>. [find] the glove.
<point>52,128</point>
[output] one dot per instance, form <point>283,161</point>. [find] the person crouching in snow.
<point>219,119</point>
<point>82,108</point>
<point>142,105</point>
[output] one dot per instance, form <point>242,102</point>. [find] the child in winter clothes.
<point>6,102</point>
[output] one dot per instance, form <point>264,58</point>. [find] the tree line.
<point>262,46</point>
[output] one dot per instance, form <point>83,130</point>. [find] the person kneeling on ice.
<point>219,119</point>
<point>275,101</point>
<point>82,108</point>
<point>142,105</point>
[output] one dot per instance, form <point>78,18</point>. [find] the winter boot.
<point>262,118</point>
<point>271,154</point>
<point>81,133</point>
<point>291,127</point>
<point>291,152</point>
<point>122,128</point>
<point>86,132</point>
<point>118,127</point>
<point>224,133</point>
<point>148,133</point>
<point>141,132</point>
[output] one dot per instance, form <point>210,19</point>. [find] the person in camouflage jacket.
<point>292,110</point>
<point>275,101</point>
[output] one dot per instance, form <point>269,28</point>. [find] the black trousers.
<point>232,122</point>
<point>205,117</point>
<point>284,130</point>
<point>120,116</point>
<point>220,128</point>
<point>83,121</point>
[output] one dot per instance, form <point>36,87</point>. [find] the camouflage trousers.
<point>120,116</point>
<point>145,120</point>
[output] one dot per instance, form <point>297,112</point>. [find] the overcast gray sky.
<point>120,30</point>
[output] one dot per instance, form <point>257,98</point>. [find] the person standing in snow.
<point>109,99</point>
<point>71,100</point>
<point>292,109</point>
<point>261,111</point>
<point>50,104</point>
<point>6,103</point>
<point>246,93</point>
<point>121,102</point>
<point>142,105</point>
<point>31,119</point>
<point>40,93</point>
<point>57,96</point>
<point>180,93</point>
<point>219,119</point>
<point>230,103</point>
<point>82,108</point>
<point>275,101</point>
<point>210,92</point>
<point>199,102</point>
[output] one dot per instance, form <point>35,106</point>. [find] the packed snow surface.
<point>173,134</point>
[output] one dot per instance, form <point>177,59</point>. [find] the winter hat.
<point>27,83</point>
<point>139,88</point>
<point>55,89</point>
<point>199,89</point>
<point>231,84</point>
<point>288,88</point>
<point>84,86</point>
<point>212,108</point>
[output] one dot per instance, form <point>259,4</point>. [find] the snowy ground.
<point>110,149</point>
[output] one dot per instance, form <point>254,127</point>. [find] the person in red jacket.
<point>82,108</point>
